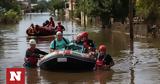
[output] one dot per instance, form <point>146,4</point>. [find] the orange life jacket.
<point>99,63</point>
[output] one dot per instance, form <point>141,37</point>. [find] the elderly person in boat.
<point>59,43</point>
<point>78,40</point>
<point>33,54</point>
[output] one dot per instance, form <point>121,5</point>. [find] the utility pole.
<point>132,72</point>
<point>84,14</point>
<point>72,9</point>
<point>131,26</point>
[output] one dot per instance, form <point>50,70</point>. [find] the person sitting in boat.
<point>46,23</point>
<point>59,43</point>
<point>103,60</point>
<point>60,27</point>
<point>32,30</point>
<point>87,42</point>
<point>78,40</point>
<point>33,54</point>
<point>32,25</point>
<point>37,29</point>
<point>51,22</point>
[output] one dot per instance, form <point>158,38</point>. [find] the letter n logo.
<point>15,76</point>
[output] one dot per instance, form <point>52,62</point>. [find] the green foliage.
<point>42,6</point>
<point>11,14</point>
<point>104,9</point>
<point>10,17</point>
<point>2,11</point>
<point>56,4</point>
<point>10,4</point>
<point>101,8</point>
<point>33,1</point>
<point>85,6</point>
<point>120,9</point>
<point>94,7</point>
<point>9,11</point>
<point>149,9</point>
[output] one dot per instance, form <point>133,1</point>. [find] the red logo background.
<point>8,76</point>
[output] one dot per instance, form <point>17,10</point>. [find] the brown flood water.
<point>143,67</point>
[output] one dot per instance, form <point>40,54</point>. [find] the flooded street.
<point>143,67</point>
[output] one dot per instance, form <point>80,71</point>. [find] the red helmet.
<point>102,48</point>
<point>84,34</point>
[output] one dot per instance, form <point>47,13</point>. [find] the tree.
<point>85,6</point>
<point>120,9</point>
<point>105,9</point>
<point>56,5</point>
<point>10,4</point>
<point>10,11</point>
<point>101,8</point>
<point>149,9</point>
<point>33,1</point>
<point>42,6</point>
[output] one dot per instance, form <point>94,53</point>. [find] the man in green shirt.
<point>59,43</point>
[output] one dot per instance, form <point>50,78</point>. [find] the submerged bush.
<point>10,16</point>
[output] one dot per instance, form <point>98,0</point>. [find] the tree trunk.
<point>105,19</point>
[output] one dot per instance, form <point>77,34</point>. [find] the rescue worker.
<point>33,54</point>
<point>103,59</point>
<point>59,43</point>
<point>51,22</point>
<point>60,27</point>
<point>87,43</point>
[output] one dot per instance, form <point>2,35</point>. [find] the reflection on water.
<point>132,76</point>
<point>46,77</point>
<point>143,67</point>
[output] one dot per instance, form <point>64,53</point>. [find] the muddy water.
<point>143,67</point>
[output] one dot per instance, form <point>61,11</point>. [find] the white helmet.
<point>59,33</point>
<point>32,41</point>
